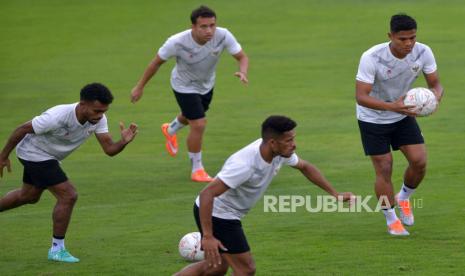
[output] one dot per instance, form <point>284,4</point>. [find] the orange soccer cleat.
<point>397,229</point>
<point>201,175</point>
<point>171,140</point>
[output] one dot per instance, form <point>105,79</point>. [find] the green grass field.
<point>134,208</point>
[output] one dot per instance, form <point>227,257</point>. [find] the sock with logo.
<point>405,192</point>
<point>196,160</point>
<point>390,215</point>
<point>58,243</point>
<point>174,126</point>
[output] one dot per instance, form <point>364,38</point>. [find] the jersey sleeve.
<point>168,49</point>
<point>366,69</point>
<point>102,125</point>
<point>429,61</point>
<point>231,43</point>
<point>234,173</point>
<point>292,161</point>
<point>46,122</point>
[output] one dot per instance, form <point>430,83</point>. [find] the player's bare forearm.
<point>206,198</point>
<point>209,243</point>
<point>316,177</point>
<point>205,211</point>
<point>149,72</point>
<point>113,148</point>
<point>363,98</point>
<point>243,61</point>
<point>18,134</point>
<point>362,95</point>
<point>244,64</point>
<point>434,84</point>
<point>438,91</point>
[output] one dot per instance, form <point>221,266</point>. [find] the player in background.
<point>197,52</point>
<point>244,178</point>
<point>49,138</point>
<point>385,74</point>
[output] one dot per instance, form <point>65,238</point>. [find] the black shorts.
<point>193,106</point>
<point>228,231</point>
<point>43,174</point>
<point>379,138</point>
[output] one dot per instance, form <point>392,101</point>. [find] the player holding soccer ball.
<point>49,138</point>
<point>385,74</point>
<point>241,182</point>
<point>197,52</point>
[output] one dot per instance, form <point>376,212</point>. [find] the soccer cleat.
<point>201,175</point>
<point>62,255</point>
<point>171,140</point>
<point>406,215</point>
<point>397,229</point>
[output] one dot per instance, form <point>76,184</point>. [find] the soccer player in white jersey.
<point>197,52</point>
<point>49,138</point>
<point>241,182</point>
<point>385,74</point>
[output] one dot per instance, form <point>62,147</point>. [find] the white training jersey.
<point>195,67</point>
<point>57,133</point>
<point>391,77</point>
<point>247,175</point>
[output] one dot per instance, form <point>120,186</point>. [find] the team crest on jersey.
<point>415,68</point>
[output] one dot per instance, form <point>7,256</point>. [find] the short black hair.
<point>402,22</point>
<point>275,126</point>
<point>96,92</point>
<point>202,11</point>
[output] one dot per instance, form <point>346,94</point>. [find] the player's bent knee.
<point>419,164</point>
<point>32,199</point>
<point>251,269</point>
<point>385,168</point>
<point>28,199</point>
<point>69,198</point>
<point>73,197</point>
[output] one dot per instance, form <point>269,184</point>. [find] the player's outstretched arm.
<point>362,91</point>
<point>210,244</point>
<point>315,176</point>
<point>16,137</point>
<point>243,61</point>
<point>113,148</point>
<point>435,85</point>
<point>151,69</point>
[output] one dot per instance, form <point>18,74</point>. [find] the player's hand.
<point>210,247</point>
<point>136,94</point>
<point>347,197</point>
<point>399,107</point>
<point>242,76</point>
<point>128,134</point>
<point>4,162</point>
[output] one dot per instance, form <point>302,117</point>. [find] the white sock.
<point>174,126</point>
<point>390,215</point>
<point>405,192</point>
<point>57,244</point>
<point>196,160</point>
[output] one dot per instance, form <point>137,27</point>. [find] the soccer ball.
<point>189,247</point>
<point>423,99</point>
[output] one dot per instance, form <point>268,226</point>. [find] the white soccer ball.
<point>189,247</point>
<point>423,99</point>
